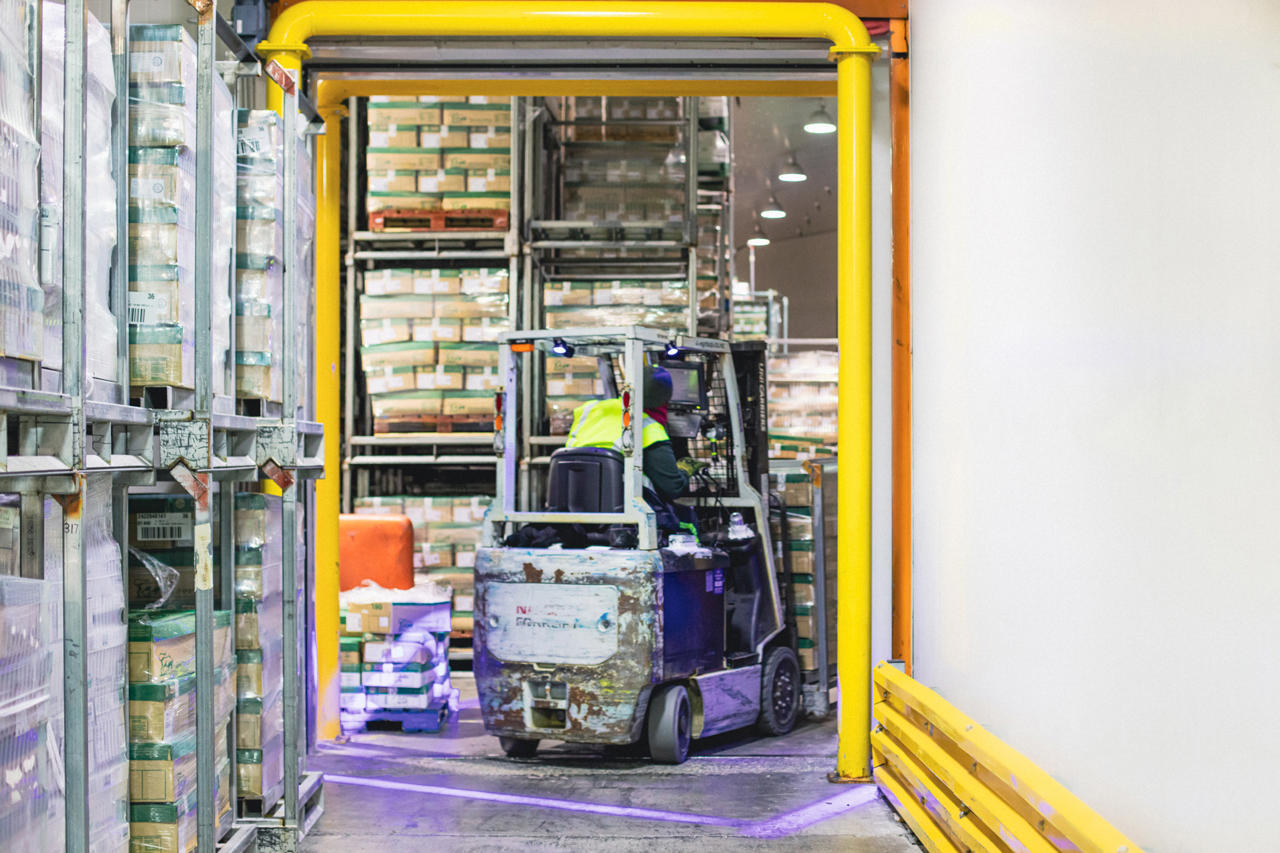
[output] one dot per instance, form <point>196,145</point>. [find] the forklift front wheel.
<point>670,725</point>
<point>779,691</point>
<point>516,747</point>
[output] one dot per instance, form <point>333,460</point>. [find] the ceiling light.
<point>820,122</point>
<point>757,238</point>
<point>791,172</point>
<point>773,210</point>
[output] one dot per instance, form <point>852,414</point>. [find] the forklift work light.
<point>560,348</point>
<point>673,351</point>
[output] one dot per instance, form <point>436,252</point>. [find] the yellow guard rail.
<point>851,50</point>
<point>960,788</point>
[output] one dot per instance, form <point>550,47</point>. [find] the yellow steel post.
<point>852,50</point>
<point>328,412</point>
<point>853,495</point>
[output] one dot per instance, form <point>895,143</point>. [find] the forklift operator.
<point>598,423</point>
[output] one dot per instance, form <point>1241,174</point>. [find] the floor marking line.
<point>802,818</point>
<point>541,802</point>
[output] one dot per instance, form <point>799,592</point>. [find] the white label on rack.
<point>147,189</point>
<point>379,138</point>
<point>163,527</point>
<point>144,62</point>
<point>148,308</point>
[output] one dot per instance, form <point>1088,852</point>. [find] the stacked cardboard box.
<point>570,382</point>
<point>796,490</point>
<point>433,154</point>
<point>101,359</point>
<point>259,640</point>
<point>260,196</point>
<point>803,396</point>
<point>162,89</point>
<point>750,319</point>
<point>394,657</point>
<point>428,345</point>
<point>617,302</point>
<point>161,552</point>
<point>21,296</point>
<point>162,726</point>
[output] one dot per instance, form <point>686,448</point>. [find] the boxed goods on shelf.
<point>21,296</point>
<point>163,645</point>
<point>803,398</point>
<point>166,710</point>
<point>164,771</point>
<point>100,192</point>
<point>171,827</point>
<point>260,196</point>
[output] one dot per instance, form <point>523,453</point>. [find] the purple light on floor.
<point>538,802</point>
<point>802,818</point>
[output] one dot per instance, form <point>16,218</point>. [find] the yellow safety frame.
<point>851,50</point>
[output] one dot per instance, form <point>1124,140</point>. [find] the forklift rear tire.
<point>670,725</point>
<point>779,691</point>
<point>516,747</point>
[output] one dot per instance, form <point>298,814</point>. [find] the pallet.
<point>433,423</point>
<point>257,407</point>
<point>430,720</point>
<point>162,397</point>
<point>407,220</point>
<point>461,651</point>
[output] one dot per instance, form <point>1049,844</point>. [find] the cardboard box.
<point>484,329</point>
<point>389,617</point>
<point>162,772</point>
<point>349,651</point>
<point>425,650</point>
<point>389,282</point>
<point>156,355</point>
<point>574,384</point>
<point>476,158</point>
<point>397,136</point>
<point>405,404</point>
<point>389,379</point>
<point>171,827</point>
<point>469,308</point>
<point>467,403</point>
<point>405,354</point>
<point>477,201</point>
<point>161,522</point>
<point>259,771</point>
<point>397,699</point>
<point>162,647</point>
<point>490,137</point>
<point>568,293</point>
<point>437,329</point>
<point>395,181</point>
<point>443,136</point>
<point>379,332</point>
<point>375,202</point>
<point>257,723</point>
<point>801,554</point>
<point>403,675</point>
<point>470,509</point>
<point>349,675</point>
<point>476,115</point>
<point>438,282</point>
<point>351,699</point>
<point>454,534</point>
<point>433,555</point>
<point>440,378</point>
<point>442,181</point>
<point>488,180</point>
<point>484,379</point>
<point>396,114</point>
<point>468,355</point>
<point>485,280</point>
<point>404,159</point>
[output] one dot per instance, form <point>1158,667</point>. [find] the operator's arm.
<point>660,467</point>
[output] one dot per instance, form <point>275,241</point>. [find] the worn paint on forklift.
<point>572,658</point>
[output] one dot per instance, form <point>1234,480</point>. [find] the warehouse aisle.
<point>458,790</point>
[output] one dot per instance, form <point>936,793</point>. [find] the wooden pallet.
<point>430,720</point>
<point>433,423</point>
<point>461,655</point>
<point>405,220</point>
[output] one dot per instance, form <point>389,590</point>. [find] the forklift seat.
<point>585,479</point>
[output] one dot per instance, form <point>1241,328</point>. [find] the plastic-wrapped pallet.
<point>100,192</point>
<point>161,552</point>
<point>162,211</point>
<point>21,296</point>
<point>803,398</point>
<point>259,255</point>
<point>306,251</point>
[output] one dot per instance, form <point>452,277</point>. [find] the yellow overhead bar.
<point>852,51</point>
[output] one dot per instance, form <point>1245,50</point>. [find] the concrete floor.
<point>455,790</point>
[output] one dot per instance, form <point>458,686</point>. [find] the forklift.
<point>592,623</point>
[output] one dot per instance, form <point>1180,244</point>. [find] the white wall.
<point>1096,257</point>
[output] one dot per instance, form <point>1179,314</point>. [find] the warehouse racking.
<point>80,434</point>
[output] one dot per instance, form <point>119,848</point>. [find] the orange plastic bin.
<point>377,548</point>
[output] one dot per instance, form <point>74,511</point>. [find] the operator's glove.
<point>690,466</point>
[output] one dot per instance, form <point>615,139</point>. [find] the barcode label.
<point>143,62</point>
<point>163,527</point>
<point>148,308</point>
<point>253,141</point>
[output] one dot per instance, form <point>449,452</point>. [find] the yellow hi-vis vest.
<point>598,423</point>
